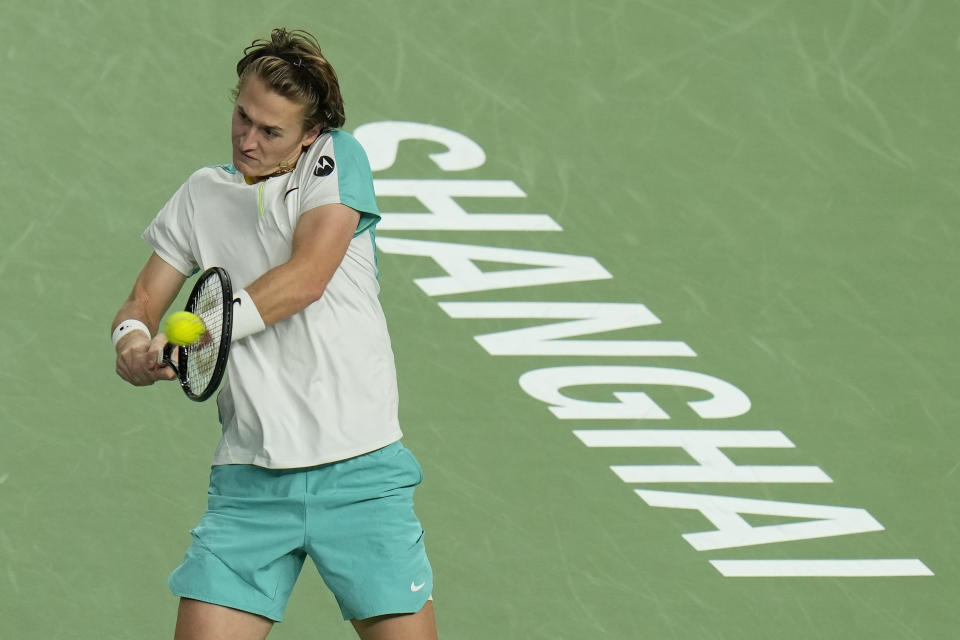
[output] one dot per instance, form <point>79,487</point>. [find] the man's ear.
<point>310,137</point>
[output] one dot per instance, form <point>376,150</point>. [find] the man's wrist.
<point>125,328</point>
<point>246,317</point>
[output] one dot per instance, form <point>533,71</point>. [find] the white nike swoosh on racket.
<point>417,587</point>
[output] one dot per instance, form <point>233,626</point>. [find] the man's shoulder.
<point>337,144</point>
<point>227,169</point>
<point>224,172</point>
<point>212,175</point>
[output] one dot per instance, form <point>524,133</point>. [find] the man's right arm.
<point>154,290</point>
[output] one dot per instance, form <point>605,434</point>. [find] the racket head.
<point>200,366</point>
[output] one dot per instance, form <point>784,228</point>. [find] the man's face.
<point>267,130</point>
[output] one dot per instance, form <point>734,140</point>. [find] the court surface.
<point>745,210</point>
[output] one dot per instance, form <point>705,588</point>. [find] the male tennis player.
<point>310,461</point>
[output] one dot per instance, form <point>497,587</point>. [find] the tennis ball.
<point>184,328</point>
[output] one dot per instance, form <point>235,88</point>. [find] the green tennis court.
<point>672,287</point>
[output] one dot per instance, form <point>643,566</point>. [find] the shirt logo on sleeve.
<point>324,167</point>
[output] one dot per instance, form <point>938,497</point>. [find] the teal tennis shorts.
<point>354,518</point>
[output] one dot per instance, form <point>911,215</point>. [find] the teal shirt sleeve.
<point>355,179</point>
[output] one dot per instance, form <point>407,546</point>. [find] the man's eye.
<point>270,133</point>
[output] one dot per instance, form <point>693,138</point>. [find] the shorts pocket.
<point>414,465</point>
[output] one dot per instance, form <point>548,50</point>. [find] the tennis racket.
<point>200,366</point>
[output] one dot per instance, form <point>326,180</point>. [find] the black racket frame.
<point>223,351</point>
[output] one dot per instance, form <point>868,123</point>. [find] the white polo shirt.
<point>321,385</point>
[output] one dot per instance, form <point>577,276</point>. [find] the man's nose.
<point>248,137</point>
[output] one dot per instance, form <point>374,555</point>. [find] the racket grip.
<point>166,357</point>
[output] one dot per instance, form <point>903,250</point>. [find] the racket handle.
<point>166,357</point>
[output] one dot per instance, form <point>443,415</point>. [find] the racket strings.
<point>202,357</point>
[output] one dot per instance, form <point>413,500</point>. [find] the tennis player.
<point>310,462</point>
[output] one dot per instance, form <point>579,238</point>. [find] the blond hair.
<point>292,65</point>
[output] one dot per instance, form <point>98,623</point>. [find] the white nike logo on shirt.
<point>416,587</point>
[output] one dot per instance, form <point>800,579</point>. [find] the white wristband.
<point>125,327</point>
<point>246,317</point>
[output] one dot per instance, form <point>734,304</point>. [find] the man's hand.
<point>138,359</point>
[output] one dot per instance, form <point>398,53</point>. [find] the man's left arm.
<point>320,242</point>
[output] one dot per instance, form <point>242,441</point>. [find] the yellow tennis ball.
<point>184,328</point>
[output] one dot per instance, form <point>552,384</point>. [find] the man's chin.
<point>244,167</point>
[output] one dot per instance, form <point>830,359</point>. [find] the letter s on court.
<point>382,139</point>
